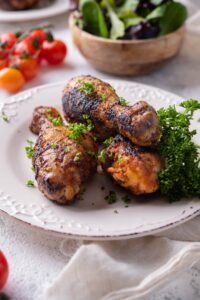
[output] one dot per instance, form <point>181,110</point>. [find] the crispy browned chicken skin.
<point>61,164</point>
<point>134,168</point>
<point>97,99</point>
<point>41,115</point>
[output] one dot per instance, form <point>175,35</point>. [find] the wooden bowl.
<point>126,57</point>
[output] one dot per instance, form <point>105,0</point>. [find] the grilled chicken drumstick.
<point>134,168</point>
<point>86,95</point>
<point>63,156</point>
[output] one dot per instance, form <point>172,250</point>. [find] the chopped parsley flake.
<point>123,101</point>
<point>102,156</point>
<point>108,141</point>
<point>95,138</point>
<point>90,126</point>
<point>56,121</point>
<point>29,149</point>
<point>30,183</point>
<point>87,87</point>
<point>76,130</point>
<point>68,149</point>
<point>49,110</point>
<point>54,146</point>
<point>86,117</point>
<point>126,199</point>
<point>103,97</point>
<point>5,118</point>
<point>92,154</point>
<point>111,197</point>
<point>77,156</point>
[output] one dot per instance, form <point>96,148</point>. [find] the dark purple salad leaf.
<point>144,30</point>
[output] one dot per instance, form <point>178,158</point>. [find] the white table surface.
<point>35,257</point>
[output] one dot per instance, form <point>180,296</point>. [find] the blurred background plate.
<point>44,10</point>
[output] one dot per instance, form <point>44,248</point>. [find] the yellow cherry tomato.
<point>11,80</point>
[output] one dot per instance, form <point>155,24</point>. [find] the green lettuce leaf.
<point>118,27</point>
<point>127,9</point>
<point>174,17</point>
<point>135,20</point>
<point>93,18</point>
<point>158,12</point>
<point>156,2</point>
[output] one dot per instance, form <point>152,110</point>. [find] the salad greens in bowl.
<point>130,19</point>
<point>128,37</point>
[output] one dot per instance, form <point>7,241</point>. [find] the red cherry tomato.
<point>9,39</point>
<point>3,63</point>
<point>29,45</point>
<point>54,52</point>
<point>29,67</point>
<point>3,270</point>
<point>41,35</point>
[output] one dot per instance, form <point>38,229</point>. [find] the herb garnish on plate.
<point>29,149</point>
<point>181,174</point>
<point>30,183</point>
<point>76,130</point>
<point>111,197</point>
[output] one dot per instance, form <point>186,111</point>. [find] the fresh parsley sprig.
<point>180,176</point>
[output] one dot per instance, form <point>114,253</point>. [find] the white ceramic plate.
<point>56,8</point>
<point>91,218</point>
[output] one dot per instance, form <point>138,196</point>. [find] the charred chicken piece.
<point>134,168</point>
<point>41,115</point>
<point>62,164</point>
<point>86,95</point>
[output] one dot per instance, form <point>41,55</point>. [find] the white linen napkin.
<point>128,269</point>
<point>117,270</point>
